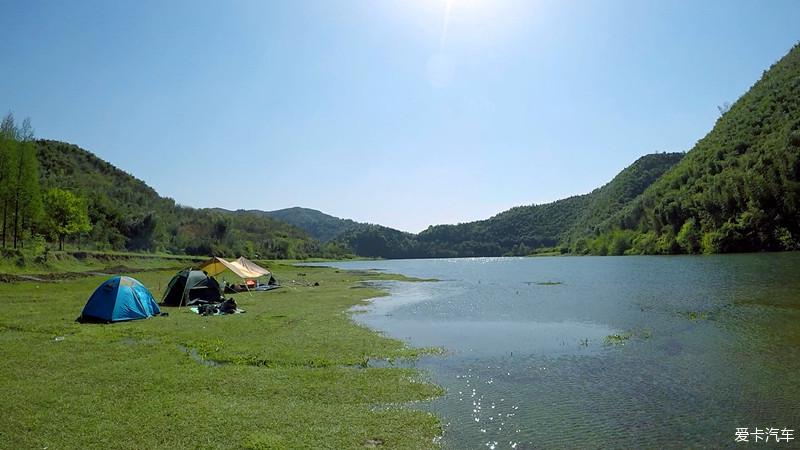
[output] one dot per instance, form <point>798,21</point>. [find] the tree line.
<point>125,214</point>
<point>27,212</point>
<point>737,190</point>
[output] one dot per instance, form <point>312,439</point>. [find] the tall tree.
<point>8,154</point>
<point>66,214</point>
<point>8,127</point>
<point>31,211</point>
<point>26,198</point>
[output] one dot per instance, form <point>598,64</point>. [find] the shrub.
<point>689,237</point>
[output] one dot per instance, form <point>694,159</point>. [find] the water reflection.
<point>704,345</point>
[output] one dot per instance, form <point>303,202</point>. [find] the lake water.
<point>595,352</point>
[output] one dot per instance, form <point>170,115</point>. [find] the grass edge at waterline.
<point>290,372</point>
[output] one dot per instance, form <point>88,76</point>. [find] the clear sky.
<point>405,113</point>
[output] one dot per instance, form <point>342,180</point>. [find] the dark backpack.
<point>228,306</point>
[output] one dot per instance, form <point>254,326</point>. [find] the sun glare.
<point>451,7</point>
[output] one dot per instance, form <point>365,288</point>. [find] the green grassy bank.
<point>292,372</point>
<point>68,264</point>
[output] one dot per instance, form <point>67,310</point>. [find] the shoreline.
<point>294,371</point>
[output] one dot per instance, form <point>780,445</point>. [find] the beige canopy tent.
<point>242,267</point>
<point>251,267</point>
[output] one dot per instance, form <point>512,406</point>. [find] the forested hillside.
<point>520,230</point>
<point>377,241</point>
<point>514,232</point>
<point>126,214</point>
<point>737,190</point>
<point>318,225</point>
<point>609,200</point>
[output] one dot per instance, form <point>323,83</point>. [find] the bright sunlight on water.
<point>601,352</point>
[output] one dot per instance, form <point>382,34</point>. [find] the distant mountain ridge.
<point>737,189</point>
<point>319,225</point>
<point>127,214</point>
<point>519,230</point>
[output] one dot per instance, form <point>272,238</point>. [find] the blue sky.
<point>391,112</point>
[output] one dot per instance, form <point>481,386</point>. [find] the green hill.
<point>524,228</point>
<point>519,230</point>
<point>607,201</point>
<point>515,231</point>
<point>377,241</point>
<point>127,214</point>
<point>737,190</point>
<point>317,224</point>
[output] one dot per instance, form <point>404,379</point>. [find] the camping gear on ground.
<point>207,310</point>
<point>266,287</point>
<point>243,268</point>
<point>228,306</point>
<point>118,299</point>
<point>188,285</point>
<point>258,287</point>
<point>217,309</point>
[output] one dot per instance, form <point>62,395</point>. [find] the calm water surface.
<point>704,345</point>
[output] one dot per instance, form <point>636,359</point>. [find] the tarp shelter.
<point>188,285</point>
<point>215,266</point>
<point>242,267</point>
<point>252,267</point>
<point>119,299</point>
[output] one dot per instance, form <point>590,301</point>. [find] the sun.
<point>457,6</point>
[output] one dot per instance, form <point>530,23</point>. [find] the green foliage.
<point>621,241</point>
<point>126,214</point>
<point>318,225</point>
<point>644,244</point>
<point>522,230</point>
<point>67,214</point>
<point>519,250</point>
<point>335,250</point>
<point>690,238</point>
<point>617,339</point>
<point>738,189</point>
<point>20,198</point>
<point>378,241</point>
<point>666,243</point>
<point>608,200</point>
<point>786,239</point>
<point>38,247</point>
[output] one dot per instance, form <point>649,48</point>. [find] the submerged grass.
<point>625,336</point>
<point>698,315</point>
<point>617,339</point>
<point>291,372</point>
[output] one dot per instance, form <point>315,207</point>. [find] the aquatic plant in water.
<point>617,339</point>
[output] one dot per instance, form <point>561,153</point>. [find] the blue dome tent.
<point>119,299</point>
